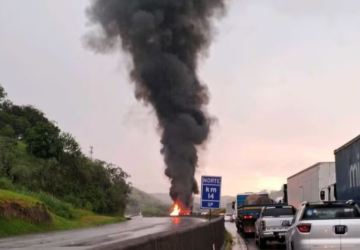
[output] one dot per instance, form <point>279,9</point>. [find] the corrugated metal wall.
<point>304,187</point>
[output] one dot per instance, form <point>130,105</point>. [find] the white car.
<point>327,225</point>
<point>272,224</point>
<point>228,217</point>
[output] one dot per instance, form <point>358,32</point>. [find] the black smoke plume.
<point>165,39</point>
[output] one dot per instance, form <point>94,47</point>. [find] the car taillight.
<point>304,228</point>
<point>263,225</point>
<point>248,217</point>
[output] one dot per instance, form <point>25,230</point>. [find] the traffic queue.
<point>319,208</point>
<point>313,225</point>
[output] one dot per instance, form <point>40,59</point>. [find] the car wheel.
<point>262,243</point>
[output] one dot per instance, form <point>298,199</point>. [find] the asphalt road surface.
<point>248,243</point>
<point>97,237</point>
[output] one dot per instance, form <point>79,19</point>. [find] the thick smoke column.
<point>165,39</point>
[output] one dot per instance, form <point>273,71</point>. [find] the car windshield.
<point>330,212</point>
<point>278,211</point>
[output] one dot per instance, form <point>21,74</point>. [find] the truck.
<point>247,208</point>
<point>314,184</point>
<point>273,222</point>
<point>347,159</point>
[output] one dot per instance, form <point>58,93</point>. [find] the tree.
<point>70,145</point>
<point>2,94</point>
<point>119,191</point>
<point>7,156</point>
<point>43,141</point>
<point>7,131</point>
<point>32,114</point>
<point>57,165</point>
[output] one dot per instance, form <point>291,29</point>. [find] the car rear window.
<point>278,211</point>
<point>253,212</point>
<point>330,212</point>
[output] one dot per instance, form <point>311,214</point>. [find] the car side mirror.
<point>233,205</point>
<point>322,195</point>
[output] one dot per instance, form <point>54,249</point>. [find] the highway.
<point>98,237</point>
<point>242,243</point>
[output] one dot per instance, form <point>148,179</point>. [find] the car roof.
<point>278,206</point>
<point>329,204</point>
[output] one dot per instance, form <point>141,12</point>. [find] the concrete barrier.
<point>205,236</point>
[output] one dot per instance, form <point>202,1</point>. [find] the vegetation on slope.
<point>47,165</point>
<point>37,155</point>
<point>20,214</point>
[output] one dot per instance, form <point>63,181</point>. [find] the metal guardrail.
<point>205,236</point>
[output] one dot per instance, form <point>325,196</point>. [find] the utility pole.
<point>91,152</point>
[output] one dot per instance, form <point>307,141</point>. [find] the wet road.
<point>97,237</point>
<point>248,243</point>
<point>270,246</point>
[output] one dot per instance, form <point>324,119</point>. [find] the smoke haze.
<point>165,39</point>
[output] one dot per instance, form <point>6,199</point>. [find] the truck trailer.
<point>313,184</point>
<point>347,160</point>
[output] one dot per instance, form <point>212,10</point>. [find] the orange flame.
<point>178,209</point>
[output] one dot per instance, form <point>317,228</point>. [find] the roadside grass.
<point>228,240</point>
<point>56,206</point>
<point>64,216</point>
<point>16,197</point>
<point>9,227</point>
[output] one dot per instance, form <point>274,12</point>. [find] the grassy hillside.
<point>145,203</point>
<point>31,213</point>
<point>36,155</point>
<point>46,181</point>
<point>85,183</point>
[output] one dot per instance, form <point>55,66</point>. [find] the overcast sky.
<point>283,76</point>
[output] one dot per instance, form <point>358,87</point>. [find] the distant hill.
<point>163,197</point>
<point>147,204</point>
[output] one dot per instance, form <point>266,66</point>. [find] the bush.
<point>7,131</point>
<point>6,184</point>
<point>56,206</point>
